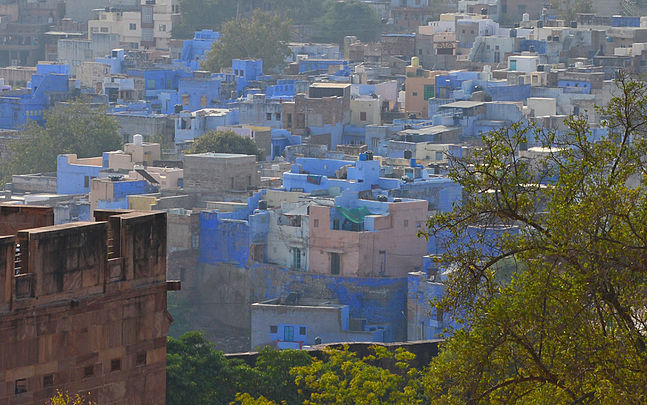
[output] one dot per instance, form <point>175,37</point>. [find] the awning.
<point>355,215</point>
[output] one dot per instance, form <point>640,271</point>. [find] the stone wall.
<point>219,298</point>
<point>83,309</point>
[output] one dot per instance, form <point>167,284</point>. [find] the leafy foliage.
<point>569,325</point>
<point>225,142</point>
<point>343,18</point>
<point>198,374</point>
<point>263,36</point>
<point>65,399</point>
<point>75,128</point>
<point>200,14</point>
<point>343,378</point>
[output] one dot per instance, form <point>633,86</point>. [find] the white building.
<point>148,27</point>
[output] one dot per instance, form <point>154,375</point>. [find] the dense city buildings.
<point>315,236</point>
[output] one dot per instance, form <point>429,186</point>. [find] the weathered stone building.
<point>83,306</point>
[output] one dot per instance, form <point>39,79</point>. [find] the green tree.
<point>569,325</point>
<point>343,378</point>
<point>225,142</point>
<point>343,18</point>
<point>211,14</point>
<point>263,36</point>
<point>196,373</point>
<point>74,128</point>
<point>202,14</point>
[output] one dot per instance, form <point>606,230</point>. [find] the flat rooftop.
<point>219,155</point>
<point>463,104</point>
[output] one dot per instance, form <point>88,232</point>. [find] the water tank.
<point>540,24</point>
<point>513,33</point>
<point>415,61</point>
<point>407,154</point>
<point>483,11</point>
<point>177,108</point>
<point>138,139</point>
<point>573,24</point>
<point>262,205</point>
<point>525,17</point>
<point>369,155</point>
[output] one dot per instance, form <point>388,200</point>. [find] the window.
<point>429,91</point>
<point>288,333</point>
<point>249,180</point>
<point>88,371</point>
<point>203,101</point>
<point>439,315</point>
<point>334,263</point>
<point>439,155</point>
<point>48,380</point>
<point>316,223</point>
<point>296,258</point>
<point>415,94</point>
<point>362,116</point>
<point>86,181</point>
<point>277,116</point>
<point>382,262</point>
<point>141,358</point>
<point>302,330</point>
<point>406,223</point>
<point>94,29</point>
<point>268,116</point>
<point>115,364</point>
<point>132,27</point>
<point>162,27</point>
<point>289,120</point>
<point>104,29</point>
<point>185,99</point>
<point>273,328</point>
<point>419,51</point>
<point>21,386</point>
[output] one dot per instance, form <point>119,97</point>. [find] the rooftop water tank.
<point>138,139</point>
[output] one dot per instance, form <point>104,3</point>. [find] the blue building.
<point>234,237</point>
<point>246,71</point>
<point>195,50</point>
<point>48,85</point>
<point>199,92</point>
<point>74,175</point>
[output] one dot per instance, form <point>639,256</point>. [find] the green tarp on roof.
<point>355,215</point>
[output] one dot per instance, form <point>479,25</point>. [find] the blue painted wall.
<point>72,178</point>
<point>379,300</point>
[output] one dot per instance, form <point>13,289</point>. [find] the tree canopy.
<point>211,14</point>
<point>343,18</point>
<point>263,36</point>
<point>225,142</point>
<point>77,127</point>
<point>199,374</point>
<point>569,326</point>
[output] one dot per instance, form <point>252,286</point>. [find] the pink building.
<point>356,243</point>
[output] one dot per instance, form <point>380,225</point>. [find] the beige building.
<point>149,27</point>
<point>213,173</point>
<point>365,110</point>
<point>420,86</point>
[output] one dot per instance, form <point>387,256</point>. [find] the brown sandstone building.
<point>82,307</point>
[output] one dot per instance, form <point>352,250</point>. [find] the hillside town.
<point>317,239</point>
